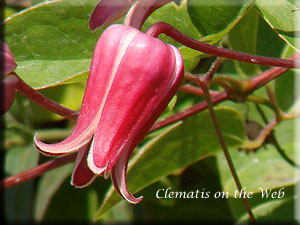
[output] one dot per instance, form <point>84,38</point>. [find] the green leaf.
<point>19,159</point>
<point>47,187</point>
<point>214,19</point>
<point>179,146</point>
<point>280,14</point>
<point>51,41</point>
<point>265,36</point>
<point>286,97</point>
<point>243,37</point>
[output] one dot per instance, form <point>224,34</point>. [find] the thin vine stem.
<point>207,96</point>
<point>45,102</point>
<point>161,27</point>
<point>36,171</point>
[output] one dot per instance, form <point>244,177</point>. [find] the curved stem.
<point>204,86</point>
<point>36,171</point>
<point>268,75</point>
<point>43,101</point>
<point>184,114</point>
<point>172,32</point>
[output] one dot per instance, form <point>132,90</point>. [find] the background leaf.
<point>55,44</point>
<point>281,15</point>
<point>47,187</point>
<point>243,37</point>
<point>214,19</point>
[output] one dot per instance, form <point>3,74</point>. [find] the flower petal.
<point>119,179</point>
<point>103,69</point>
<point>107,11</point>
<point>141,10</point>
<point>82,176</point>
<point>146,79</point>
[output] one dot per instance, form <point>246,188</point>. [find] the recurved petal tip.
<point>69,145</point>
<point>119,179</point>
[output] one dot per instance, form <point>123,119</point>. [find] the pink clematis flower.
<point>133,76</point>
<point>8,82</point>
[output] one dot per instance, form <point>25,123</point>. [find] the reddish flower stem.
<point>268,75</point>
<point>159,28</point>
<point>188,112</point>
<point>36,171</point>
<point>43,101</point>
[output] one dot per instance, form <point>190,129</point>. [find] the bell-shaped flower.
<point>8,82</point>
<point>133,76</point>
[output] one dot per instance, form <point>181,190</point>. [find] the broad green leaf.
<point>47,187</point>
<point>243,37</point>
<point>280,14</point>
<point>268,41</point>
<point>214,19</point>
<point>51,41</point>
<point>285,85</point>
<point>179,146</point>
<point>19,159</point>
<point>284,89</point>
